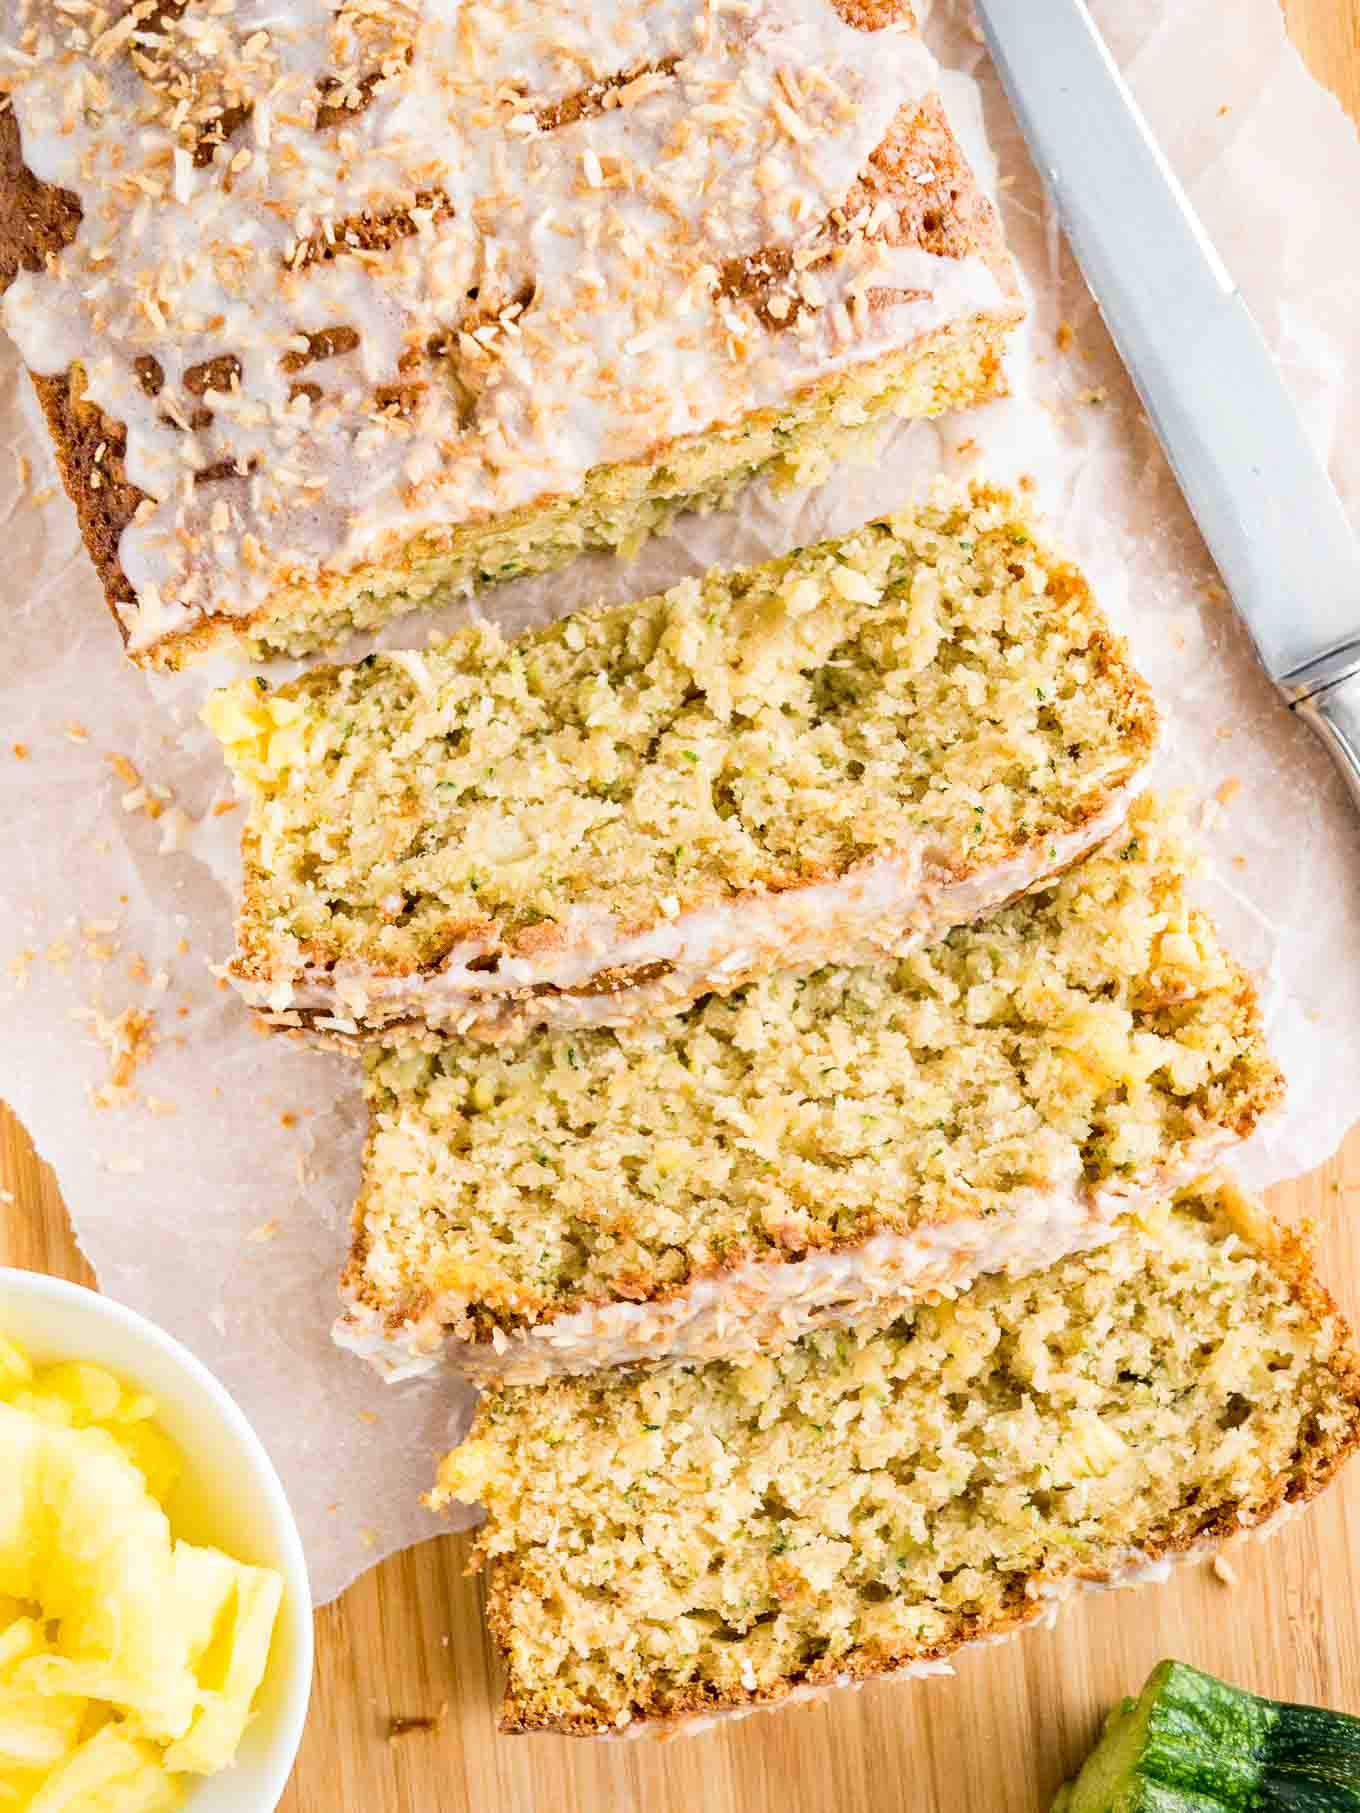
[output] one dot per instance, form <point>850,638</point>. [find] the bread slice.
<point>670,1544</point>
<point>808,1151</point>
<point>871,739</point>
<point>355,316</point>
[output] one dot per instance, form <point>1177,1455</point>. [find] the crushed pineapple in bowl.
<point>155,1617</point>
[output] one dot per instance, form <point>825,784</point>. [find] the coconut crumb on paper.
<point>129,1038</point>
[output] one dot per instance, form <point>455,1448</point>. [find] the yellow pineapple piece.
<point>20,1503</point>
<point>156,1643</point>
<point>112,1772</point>
<point>20,1636</point>
<point>37,1730</point>
<point>15,1368</point>
<point>11,1611</point>
<point>41,1407</point>
<point>152,1453</point>
<point>136,1407</point>
<point>101,1564</point>
<point>90,1394</point>
<point>228,1611</point>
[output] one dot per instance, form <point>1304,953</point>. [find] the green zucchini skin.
<point>1193,1744</point>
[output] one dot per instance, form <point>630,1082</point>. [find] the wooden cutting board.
<point>406,1640</point>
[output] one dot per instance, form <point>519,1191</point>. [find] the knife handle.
<point>1334,713</point>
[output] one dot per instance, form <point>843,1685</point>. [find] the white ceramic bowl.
<point>229,1495</point>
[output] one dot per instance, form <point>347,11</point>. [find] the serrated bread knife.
<point>1260,494</point>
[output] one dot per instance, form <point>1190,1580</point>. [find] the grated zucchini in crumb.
<point>1090,1031</point>
<point>671,1540</point>
<point>935,680</point>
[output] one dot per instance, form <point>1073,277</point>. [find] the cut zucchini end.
<point>1193,1744</point>
<point>1109,1774</point>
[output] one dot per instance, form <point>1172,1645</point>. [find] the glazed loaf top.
<point>344,275</point>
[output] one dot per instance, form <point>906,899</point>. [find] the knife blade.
<point>1265,505</point>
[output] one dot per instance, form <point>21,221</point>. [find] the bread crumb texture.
<point>1086,1033</point>
<point>935,681</point>
<point>672,1541</point>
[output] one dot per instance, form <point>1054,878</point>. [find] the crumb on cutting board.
<point>401,1725</point>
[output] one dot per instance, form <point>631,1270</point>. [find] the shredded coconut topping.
<point>348,274</point>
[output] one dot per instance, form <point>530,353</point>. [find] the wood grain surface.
<point>406,1640</point>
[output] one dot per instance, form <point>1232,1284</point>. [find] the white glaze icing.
<point>600,329</point>
<point>767,1303</point>
<point>898,902</point>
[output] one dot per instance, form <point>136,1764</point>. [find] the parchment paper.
<point>210,1170</point>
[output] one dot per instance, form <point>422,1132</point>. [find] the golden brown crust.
<point>36,222</point>
<point>1268,1091</point>
<point>946,213</point>
<point>920,171</point>
<point>1189,1530</point>
<point>89,450</point>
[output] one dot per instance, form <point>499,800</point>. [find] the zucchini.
<point>1192,1744</point>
